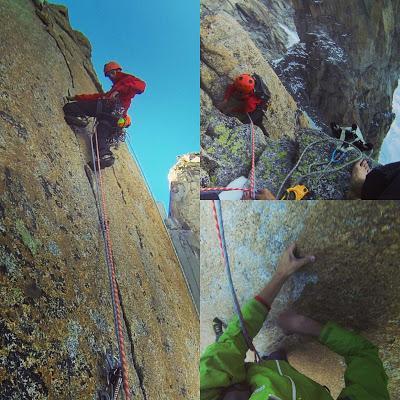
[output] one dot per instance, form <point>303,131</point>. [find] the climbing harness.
<point>219,225</point>
<point>118,128</point>
<point>297,192</point>
<point>252,177</point>
<point>104,224</point>
<point>114,378</point>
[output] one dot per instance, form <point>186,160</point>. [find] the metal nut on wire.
<point>104,395</point>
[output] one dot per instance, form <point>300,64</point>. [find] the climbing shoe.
<point>106,160</point>
<point>77,121</point>
<point>279,354</point>
<point>218,326</point>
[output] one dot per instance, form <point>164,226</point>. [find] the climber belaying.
<point>225,374</point>
<point>379,183</point>
<point>247,94</point>
<point>110,109</point>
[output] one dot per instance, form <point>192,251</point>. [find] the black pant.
<point>209,195</point>
<point>107,123</point>
<point>382,183</point>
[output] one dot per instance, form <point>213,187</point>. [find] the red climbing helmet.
<point>111,66</point>
<point>244,83</point>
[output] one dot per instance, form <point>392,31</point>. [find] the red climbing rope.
<point>109,255</point>
<point>220,189</point>
<point>252,172</point>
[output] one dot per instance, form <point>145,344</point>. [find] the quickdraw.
<point>113,374</point>
<point>118,137</point>
<point>297,192</point>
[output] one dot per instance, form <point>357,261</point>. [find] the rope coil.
<point>326,170</point>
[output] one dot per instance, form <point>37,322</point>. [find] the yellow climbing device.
<point>297,192</point>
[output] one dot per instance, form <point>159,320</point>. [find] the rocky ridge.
<point>183,220</point>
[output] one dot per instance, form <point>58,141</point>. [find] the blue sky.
<point>159,43</point>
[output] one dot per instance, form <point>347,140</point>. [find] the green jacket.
<point>222,365</point>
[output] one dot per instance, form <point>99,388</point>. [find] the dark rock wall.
<point>349,60</point>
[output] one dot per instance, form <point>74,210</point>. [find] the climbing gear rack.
<point>327,166</point>
<point>114,378</point>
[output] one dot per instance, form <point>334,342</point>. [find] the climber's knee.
<point>68,108</point>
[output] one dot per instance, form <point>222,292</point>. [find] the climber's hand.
<point>70,98</point>
<point>291,322</point>
<point>264,194</point>
<point>289,263</point>
<point>114,95</point>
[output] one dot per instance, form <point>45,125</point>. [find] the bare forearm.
<point>272,288</point>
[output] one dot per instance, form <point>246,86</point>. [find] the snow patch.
<point>234,194</point>
<point>390,150</point>
<point>335,54</point>
<point>293,37</point>
<point>312,123</point>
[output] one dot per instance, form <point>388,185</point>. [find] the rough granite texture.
<point>354,280</point>
<point>56,317</point>
<point>183,221</point>
<point>184,179</point>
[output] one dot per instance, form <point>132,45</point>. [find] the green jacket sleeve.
<point>365,377</point>
<point>222,363</point>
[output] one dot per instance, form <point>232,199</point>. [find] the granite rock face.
<point>339,61</point>
<point>183,221</point>
<point>56,318</point>
<point>184,179</point>
<point>223,57</point>
<point>354,280</point>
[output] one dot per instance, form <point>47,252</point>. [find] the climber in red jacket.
<point>109,108</point>
<point>247,94</point>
